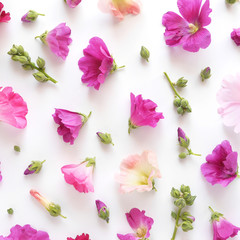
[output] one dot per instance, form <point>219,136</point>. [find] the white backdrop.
<point>110,112</point>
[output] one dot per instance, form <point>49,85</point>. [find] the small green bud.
<point>180,203</point>
<point>184,103</point>
<point>181,82</point>
<point>174,215</point>
<point>104,214</point>
<point>183,142</point>
<point>27,67</point>
<point>105,138</point>
<point>175,193</point>
<point>20,49</point>
<point>186,226</point>
<point>26,54</point>
<point>190,200</point>
<point>189,109</point>
<point>10,211</point>
<point>13,51</point>
<point>54,209</point>
<point>39,76</point>
<point>180,110</point>
<point>182,155</point>
<point>145,54</point>
<point>17,148</point>
<point>90,162</point>
<point>40,63</point>
<point>35,166</point>
<point>184,189</point>
<point>186,216</point>
<point>205,73</point>
<point>177,102</point>
<point>15,58</point>
<point>231,1</point>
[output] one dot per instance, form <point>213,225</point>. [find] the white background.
<point>110,108</point>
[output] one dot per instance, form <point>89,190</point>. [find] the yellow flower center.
<point>141,232</point>
<point>193,28</point>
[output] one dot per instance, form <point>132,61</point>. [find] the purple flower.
<point>188,30</point>
<point>140,224</point>
<point>72,3</point>
<point>221,166</point>
<point>103,211</point>
<point>235,35</point>
<point>27,171</point>
<point>25,233</point>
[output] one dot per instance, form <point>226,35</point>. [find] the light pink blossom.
<point>229,99</point>
<point>188,30</point>
<point>72,3</point>
<point>80,175</point>
<point>140,224</point>
<point>137,172</point>
<point>13,109</point>
<point>120,8</point>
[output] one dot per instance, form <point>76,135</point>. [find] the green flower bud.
<point>190,200</point>
<point>104,214</point>
<point>145,54</point>
<point>205,73</point>
<point>182,155</point>
<point>54,209</point>
<point>40,63</point>
<point>183,142</point>
<point>231,1</point>
<point>175,193</point>
<point>105,138</point>
<point>90,162</point>
<point>187,217</point>
<point>177,102</point>
<point>32,15</point>
<point>180,203</point>
<point>186,226</point>
<point>180,110</point>
<point>26,54</point>
<point>23,59</point>
<point>181,82</point>
<point>10,211</point>
<point>13,51</point>
<point>189,109</point>
<point>27,67</point>
<point>173,215</point>
<point>20,49</point>
<point>17,148</point>
<point>184,103</point>
<point>15,58</point>
<point>35,166</point>
<point>184,189</point>
<point>39,76</point>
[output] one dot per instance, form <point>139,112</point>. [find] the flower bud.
<point>39,76</point>
<point>17,148</point>
<point>190,200</point>
<point>31,16</point>
<point>180,110</point>
<point>20,49</point>
<point>184,103</point>
<point>186,216</point>
<point>13,51</point>
<point>10,211</point>
<point>231,1</point>
<point>40,63</point>
<point>189,109</point>
<point>177,102</point>
<point>205,73</point>
<point>145,54</point>
<point>175,193</point>
<point>182,155</point>
<point>181,82</point>
<point>184,189</point>
<point>54,209</point>
<point>27,67</point>
<point>34,167</point>
<point>22,59</point>
<point>103,211</point>
<point>180,203</point>
<point>105,138</point>
<point>186,226</point>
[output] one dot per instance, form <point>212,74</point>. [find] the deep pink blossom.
<point>13,109</point>
<point>80,175</point>
<point>4,17</point>
<point>25,233</point>
<point>120,8</point>
<point>70,123</point>
<point>96,64</point>
<point>221,166</point>
<point>235,35</point>
<point>229,99</point>
<point>140,224</point>
<point>143,113</point>
<point>188,30</point>
<point>72,3</point>
<point>82,237</point>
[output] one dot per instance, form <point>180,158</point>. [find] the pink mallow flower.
<point>72,3</point>
<point>4,17</point>
<point>221,166</point>
<point>97,63</point>
<point>70,123</point>
<point>229,99</point>
<point>188,30</point>
<point>140,224</point>
<point>13,109</point>
<point>137,172</point>
<point>82,237</point>
<point>222,229</point>
<point>80,175</point>
<point>120,8</point>
<point>25,233</point>
<point>58,40</point>
<point>235,35</point>
<point>143,113</point>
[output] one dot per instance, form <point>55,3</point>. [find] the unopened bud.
<point>103,211</point>
<point>181,82</point>
<point>205,73</point>
<point>31,16</point>
<point>190,200</point>
<point>177,102</point>
<point>27,67</point>
<point>39,76</point>
<point>182,155</point>
<point>145,54</point>
<point>186,226</point>
<point>180,110</point>
<point>40,63</point>
<point>231,1</point>
<point>12,51</point>
<point>105,138</point>
<point>184,103</point>
<point>184,189</point>
<point>20,49</point>
<point>180,203</point>
<point>175,193</point>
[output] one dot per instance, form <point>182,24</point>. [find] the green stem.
<point>192,153</point>
<point>85,118</point>
<point>176,224</point>
<point>211,209</point>
<point>123,66</point>
<point>62,216</point>
<point>43,161</point>
<point>41,14</point>
<point>172,86</point>
<point>42,71</point>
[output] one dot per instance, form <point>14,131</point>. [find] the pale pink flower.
<point>140,224</point>
<point>58,40</point>
<point>72,3</point>
<point>13,109</point>
<point>137,172</point>
<point>188,30</point>
<point>229,99</point>
<point>120,8</point>
<point>80,175</point>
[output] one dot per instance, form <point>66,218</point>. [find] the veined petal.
<point>204,18</point>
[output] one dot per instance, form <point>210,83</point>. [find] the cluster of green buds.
<point>181,103</point>
<point>205,73</point>
<point>145,54</point>
<point>20,55</point>
<point>182,198</point>
<point>231,1</point>
<point>105,138</point>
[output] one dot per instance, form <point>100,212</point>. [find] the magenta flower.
<point>235,35</point>
<point>58,40</point>
<point>80,175</point>
<point>97,63</point>
<point>103,211</point>
<point>70,123</point>
<point>140,224</point>
<point>222,229</point>
<point>188,30</point>
<point>72,3</point>
<point>25,233</point>
<point>4,17</point>
<point>143,113</point>
<point>229,100</point>
<point>82,237</point>
<point>13,109</point>
<point>221,166</point>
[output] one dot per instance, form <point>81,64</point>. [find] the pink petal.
<point>204,18</point>
<point>225,229</point>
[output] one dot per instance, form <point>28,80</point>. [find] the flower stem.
<point>211,209</point>
<point>172,86</point>
<point>41,14</point>
<point>176,224</point>
<point>192,153</point>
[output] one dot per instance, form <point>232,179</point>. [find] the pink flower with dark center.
<point>229,99</point>
<point>120,8</point>
<point>82,237</point>
<point>58,40</point>
<point>4,17</point>
<point>25,233</point>
<point>140,224</point>
<point>13,109</point>
<point>143,113</point>
<point>70,123</point>
<point>72,3</point>
<point>80,175</point>
<point>235,35</point>
<point>188,30</point>
<point>221,166</point>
